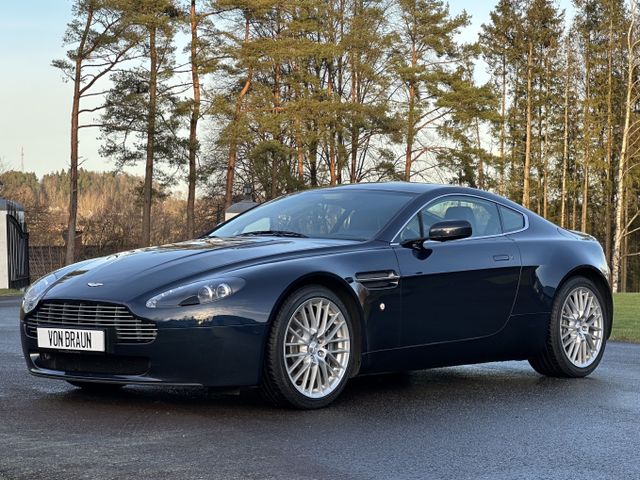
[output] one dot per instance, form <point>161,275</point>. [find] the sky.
<point>35,101</point>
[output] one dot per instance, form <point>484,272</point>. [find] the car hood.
<point>127,275</point>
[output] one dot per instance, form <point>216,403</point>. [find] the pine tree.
<point>498,41</point>
<point>102,37</point>
<point>426,59</point>
<point>630,144</point>
<point>140,98</point>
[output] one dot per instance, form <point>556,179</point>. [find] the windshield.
<point>341,214</point>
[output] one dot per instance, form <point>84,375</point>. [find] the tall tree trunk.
<point>411,116</point>
<point>408,160</point>
<point>565,148</point>
<point>237,116</point>
<point>299,152</point>
<point>480,159</point>
<point>587,147</point>
<point>620,223</point>
<point>151,131</point>
<point>313,163</point>
<point>193,124</point>
<point>609,160</point>
<point>275,160</point>
<point>503,127</point>
<point>545,168</point>
<point>527,154</point>
<point>332,128</point>
<point>73,165</point>
<point>355,133</point>
<point>545,143</point>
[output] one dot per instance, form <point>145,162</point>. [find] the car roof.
<point>408,187</point>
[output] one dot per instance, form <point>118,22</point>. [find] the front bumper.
<point>216,356</point>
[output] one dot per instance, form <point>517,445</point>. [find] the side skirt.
<point>522,337</point>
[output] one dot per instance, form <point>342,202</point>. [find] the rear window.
<point>511,220</point>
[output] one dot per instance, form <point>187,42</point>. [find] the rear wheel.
<point>96,387</point>
<point>577,331</point>
<point>310,353</point>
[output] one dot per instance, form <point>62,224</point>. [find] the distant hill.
<point>109,211</point>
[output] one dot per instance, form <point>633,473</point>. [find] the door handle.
<point>501,258</point>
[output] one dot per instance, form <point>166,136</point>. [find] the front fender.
<point>269,285</point>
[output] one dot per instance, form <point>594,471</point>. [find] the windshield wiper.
<point>275,233</point>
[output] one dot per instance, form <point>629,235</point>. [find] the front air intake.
<point>68,314</point>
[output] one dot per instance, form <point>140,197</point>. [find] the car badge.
<point>95,284</point>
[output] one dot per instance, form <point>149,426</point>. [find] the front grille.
<point>80,363</point>
<point>128,328</point>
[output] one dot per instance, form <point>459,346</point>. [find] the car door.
<point>459,289</point>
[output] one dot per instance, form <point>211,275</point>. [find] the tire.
<point>95,387</point>
<point>564,354</point>
<point>320,343</point>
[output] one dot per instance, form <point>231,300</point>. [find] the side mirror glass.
<point>450,230</point>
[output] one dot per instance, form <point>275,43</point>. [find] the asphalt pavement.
<point>491,421</point>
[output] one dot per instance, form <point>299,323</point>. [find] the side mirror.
<point>450,230</point>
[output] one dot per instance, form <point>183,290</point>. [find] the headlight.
<point>197,293</point>
<point>35,292</point>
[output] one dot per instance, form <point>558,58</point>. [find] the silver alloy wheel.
<point>581,327</point>
<point>317,346</point>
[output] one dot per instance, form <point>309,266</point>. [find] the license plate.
<point>71,339</point>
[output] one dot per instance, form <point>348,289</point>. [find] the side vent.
<point>378,280</point>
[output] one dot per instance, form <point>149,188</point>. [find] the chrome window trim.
<point>395,242</point>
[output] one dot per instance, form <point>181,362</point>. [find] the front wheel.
<point>310,354</point>
<point>577,331</point>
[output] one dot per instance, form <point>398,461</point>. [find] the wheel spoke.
<point>325,318</point>
<point>592,346</point>
<point>295,365</point>
<point>331,357</point>
<point>298,322</point>
<point>296,334</point>
<point>334,331</point>
<point>325,373</point>
<point>314,375</point>
<point>571,303</point>
<point>304,369</point>
<point>307,371</point>
<point>305,318</point>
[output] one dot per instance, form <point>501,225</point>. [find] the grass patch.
<point>626,319</point>
<point>10,292</point>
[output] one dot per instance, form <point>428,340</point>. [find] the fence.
<point>45,259</point>
<point>14,240</point>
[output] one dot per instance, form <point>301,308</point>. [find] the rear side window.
<point>511,220</point>
<point>481,214</point>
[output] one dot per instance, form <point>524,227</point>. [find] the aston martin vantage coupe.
<point>300,294</point>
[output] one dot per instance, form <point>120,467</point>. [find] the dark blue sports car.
<point>302,293</point>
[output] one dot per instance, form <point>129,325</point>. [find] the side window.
<point>511,220</point>
<point>412,230</point>
<point>481,214</point>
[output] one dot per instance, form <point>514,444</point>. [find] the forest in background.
<point>108,209</point>
<point>286,95</point>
